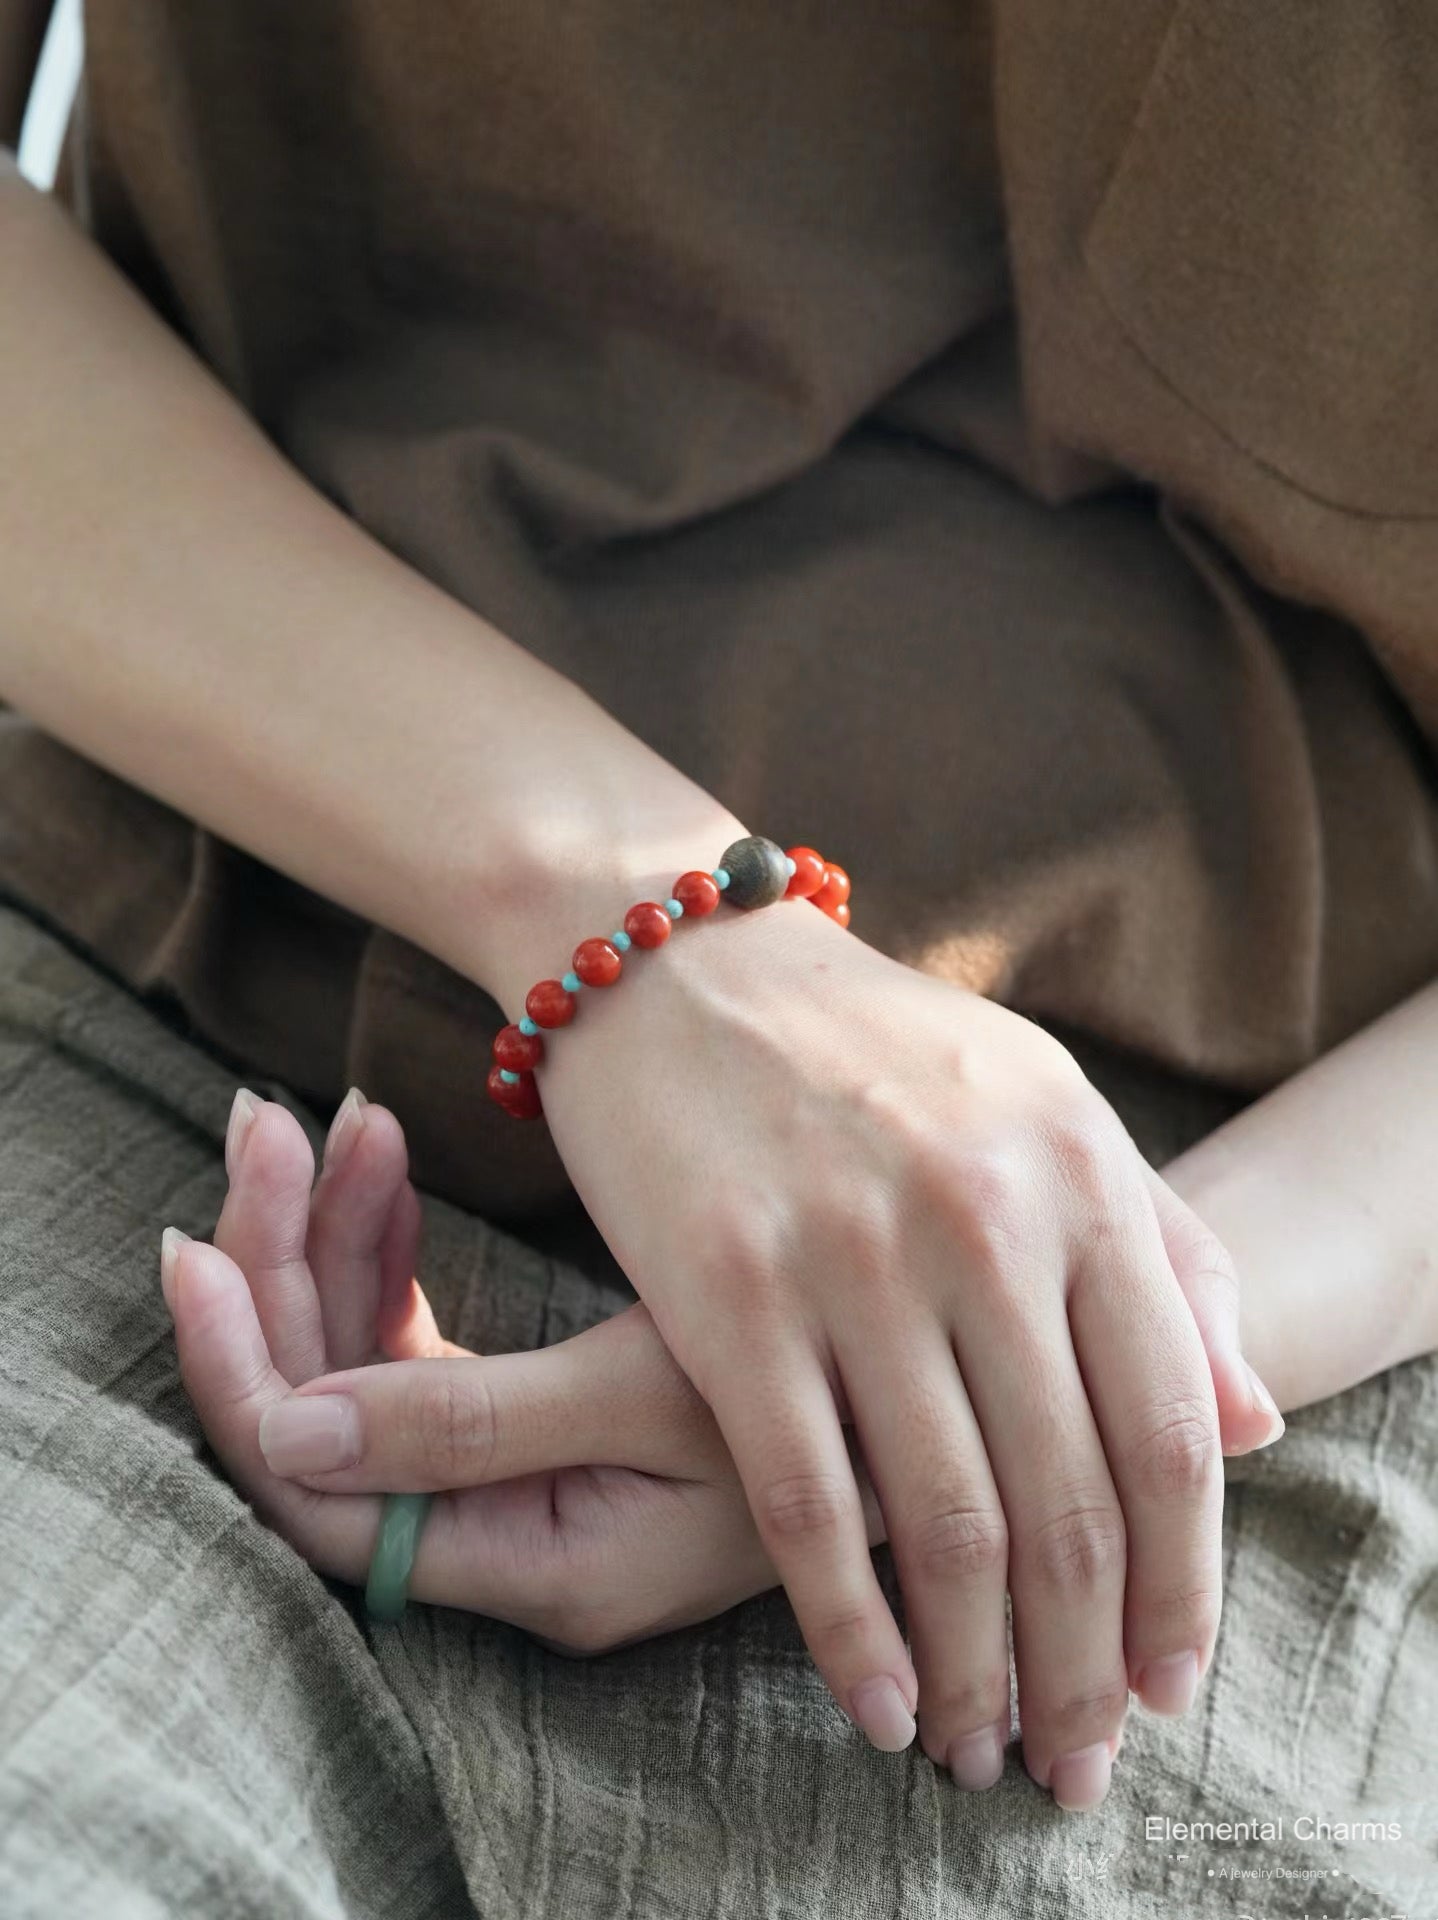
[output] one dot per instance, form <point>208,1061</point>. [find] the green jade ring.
<point>401,1524</point>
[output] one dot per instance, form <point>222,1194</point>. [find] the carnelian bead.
<point>524,1102</point>
<point>835,890</point>
<point>519,1052</point>
<point>518,1097</point>
<point>697,892</point>
<point>597,962</point>
<point>808,875</point>
<point>647,924</point>
<point>841,913</point>
<point>549,1003</point>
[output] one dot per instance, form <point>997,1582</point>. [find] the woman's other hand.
<point>603,1456</point>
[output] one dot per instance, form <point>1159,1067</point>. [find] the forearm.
<point>182,606</point>
<point>1324,1193</point>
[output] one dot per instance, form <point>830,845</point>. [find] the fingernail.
<point>344,1130</point>
<point>1080,1780</point>
<point>243,1109</point>
<point>1263,1402</point>
<point>169,1251</point>
<point>880,1710</point>
<point>976,1760</point>
<point>1168,1685</point>
<point>312,1433</point>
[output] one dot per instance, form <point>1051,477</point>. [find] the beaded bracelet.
<point>754,872</point>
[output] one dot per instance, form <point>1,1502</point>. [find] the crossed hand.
<point>897,1257</point>
<point>566,1468</point>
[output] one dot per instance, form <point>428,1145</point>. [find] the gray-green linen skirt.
<point>192,1722</point>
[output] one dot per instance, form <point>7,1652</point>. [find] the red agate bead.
<point>549,1003</point>
<point>597,962</point>
<point>697,892</point>
<point>841,913</point>
<point>808,875</point>
<point>647,924</point>
<point>519,1052</point>
<point>519,1098</point>
<point>524,1102</point>
<point>835,890</point>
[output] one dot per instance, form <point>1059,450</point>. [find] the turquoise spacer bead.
<point>571,982</point>
<point>621,940</point>
<point>720,878</point>
<point>527,1025</point>
<point>512,1079</point>
<point>674,908</point>
<point>790,864</point>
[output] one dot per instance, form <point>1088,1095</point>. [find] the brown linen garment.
<point>999,446</point>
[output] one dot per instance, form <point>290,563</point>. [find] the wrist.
<point>1326,1297</point>
<point>576,874</point>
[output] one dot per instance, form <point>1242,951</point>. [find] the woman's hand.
<point>838,1174</point>
<point>616,1460</point>
<point>845,1188</point>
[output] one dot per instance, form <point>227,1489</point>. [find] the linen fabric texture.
<point>192,1722</point>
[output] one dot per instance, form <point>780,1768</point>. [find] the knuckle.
<point>573,1629</point>
<point>584,1631</point>
<point>804,1506</point>
<point>1197,1253</point>
<point>970,1703</point>
<point>1178,1455</point>
<point>456,1426</point>
<point>1083,1154</point>
<point>229,1396</point>
<point>566,1649</point>
<point>1076,1718</point>
<point>741,1251</point>
<point>985,1198</point>
<point>1078,1549</point>
<point>855,1220</point>
<point>573,1602</point>
<point>1081,1141</point>
<point>968,1544</point>
<point>841,1638</point>
<point>1181,1615</point>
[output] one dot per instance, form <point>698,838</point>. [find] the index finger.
<point>481,1550</point>
<point>790,1452</point>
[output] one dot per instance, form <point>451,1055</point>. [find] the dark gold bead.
<point>758,871</point>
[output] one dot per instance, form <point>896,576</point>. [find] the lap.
<point>193,1721</point>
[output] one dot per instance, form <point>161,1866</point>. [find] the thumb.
<point>1247,1415</point>
<point>610,1396</point>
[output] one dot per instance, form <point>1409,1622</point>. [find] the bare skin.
<point>598,1452</point>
